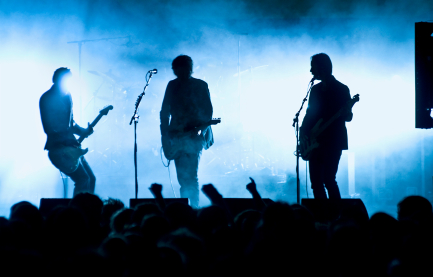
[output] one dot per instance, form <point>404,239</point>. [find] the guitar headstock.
<point>106,109</point>
<point>215,121</point>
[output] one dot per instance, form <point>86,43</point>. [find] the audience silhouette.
<point>91,237</point>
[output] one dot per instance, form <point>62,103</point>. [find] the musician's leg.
<point>92,178</point>
<point>316,175</point>
<point>186,169</point>
<point>330,172</point>
<point>83,177</point>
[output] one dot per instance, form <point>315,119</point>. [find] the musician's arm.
<point>164,114</point>
<point>348,117</point>
<point>78,130</point>
<point>55,129</point>
<point>206,106</point>
<point>208,109</point>
<point>49,119</point>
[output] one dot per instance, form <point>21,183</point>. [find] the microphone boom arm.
<point>140,96</point>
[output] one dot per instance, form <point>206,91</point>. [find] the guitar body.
<point>170,148</point>
<point>174,143</point>
<point>66,158</point>
<point>307,148</point>
<point>308,145</point>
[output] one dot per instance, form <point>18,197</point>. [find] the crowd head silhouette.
<point>92,237</point>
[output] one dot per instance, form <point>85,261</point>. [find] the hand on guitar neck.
<point>347,114</point>
<point>86,132</point>
<point>308,143</point>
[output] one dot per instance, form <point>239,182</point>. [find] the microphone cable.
<point>65,184</point>
<point>168,168</point>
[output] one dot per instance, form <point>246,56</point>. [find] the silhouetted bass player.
<point>326,99</point>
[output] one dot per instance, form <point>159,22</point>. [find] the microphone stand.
<point>296,125</point>
<point>135,118</point>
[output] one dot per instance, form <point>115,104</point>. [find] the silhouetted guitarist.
<point>57,119</point>
<point>326,99</point>
<point>187,105</point>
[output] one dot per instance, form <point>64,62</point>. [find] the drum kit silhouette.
<point>109,144</point>
<point>235,150</point>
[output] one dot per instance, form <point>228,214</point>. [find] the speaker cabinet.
<point>48,204</point>
<point>134,202</point>
<point>238,205</point>
<point>423,74</point>
<point>325,210</point>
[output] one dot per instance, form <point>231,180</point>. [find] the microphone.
<point>153,71</point>
<point>312,79</point>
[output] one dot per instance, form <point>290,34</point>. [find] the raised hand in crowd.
<point>252,188</point>
<point>156,190</point>
<point>214,196</point>
<point>217,199</point>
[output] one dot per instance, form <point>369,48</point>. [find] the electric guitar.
<point>66,158</point>
<point>307,145</point>
<point>173,143</point>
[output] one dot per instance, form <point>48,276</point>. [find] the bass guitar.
<point>66,158</point>
<point>307,145</point>
<point>173,143</point>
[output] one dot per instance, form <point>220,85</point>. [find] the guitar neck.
<point>93,124</point>
<point>202,127</point>
<point>348,104</point>
<point>199,128</point>
<point>330,121</point>
<point>196,129</point>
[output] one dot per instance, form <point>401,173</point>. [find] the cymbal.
<point>106,76</point>
<point>250,70</point>
<point>112,76</point>
<point>93,72</point>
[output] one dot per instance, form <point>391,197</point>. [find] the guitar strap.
<point>68,107</point>
<point>208,138</point>
<point>66,102</point>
